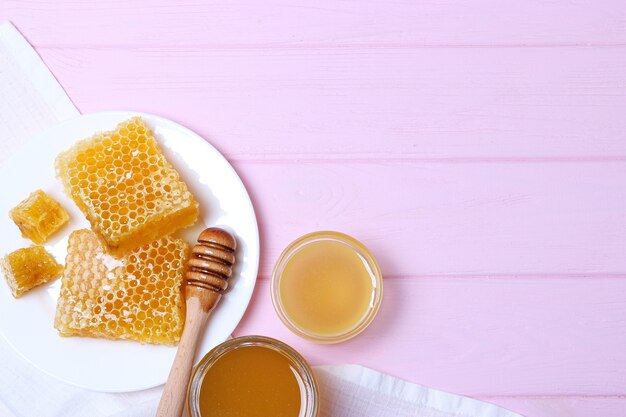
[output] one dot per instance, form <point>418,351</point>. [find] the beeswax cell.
<point>27,268</point>
<point>39,216</point>
<point>126,188</point>
<point>137,297</point>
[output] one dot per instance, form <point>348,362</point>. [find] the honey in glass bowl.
<point>326,287</point>
<point>253,376</point>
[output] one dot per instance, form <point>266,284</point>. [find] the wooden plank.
<point>438,219</point>
<point>483,337</point>
<point>563,406</point>
<point>297,22</point>
<point>427,104</point>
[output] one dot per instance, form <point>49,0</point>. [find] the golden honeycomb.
<point>126,188</point>
<point>38,216</point>
<point>27,268</point>
<point>138,297</point>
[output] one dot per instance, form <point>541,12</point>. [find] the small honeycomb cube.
<point>137,297</point>
<point>126,188</point>
<point>39,216</point>
<point>27,268</point>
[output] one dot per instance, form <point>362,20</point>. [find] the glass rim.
<point>355,245</point>
<point>309,383</point>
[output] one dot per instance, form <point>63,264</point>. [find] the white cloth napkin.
<point>355,391</point>
<point>32,100</point>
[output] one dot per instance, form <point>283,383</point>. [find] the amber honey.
<point>326,287</point>
<point>39,216</point>
<point>27,268</point>
<point>253,376</point>
<point>125,187</point>
<point>137,297</point>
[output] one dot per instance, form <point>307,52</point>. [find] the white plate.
<point>119,366</point>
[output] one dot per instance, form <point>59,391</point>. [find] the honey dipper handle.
<point>174,394</point>
<point>210,266</point>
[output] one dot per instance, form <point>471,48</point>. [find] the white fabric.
<point>355,391</point>
<point>33,100</point>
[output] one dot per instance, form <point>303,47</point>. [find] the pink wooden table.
<point>477,147</point>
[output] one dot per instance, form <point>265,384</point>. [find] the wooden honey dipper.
<point>209,268</point>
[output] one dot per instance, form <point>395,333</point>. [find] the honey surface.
<point>250,381</point>
<point>326,288</point>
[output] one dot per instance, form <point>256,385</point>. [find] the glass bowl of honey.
<point>326,287</point>
<point>253,376</point>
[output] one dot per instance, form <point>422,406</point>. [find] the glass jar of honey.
<point>326,287</point>
<point>252,376</point>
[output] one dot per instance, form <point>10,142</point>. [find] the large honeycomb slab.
<point>39,216</point>
<point>138,297</point>
<point>126,188</point>
<point>27,268</point>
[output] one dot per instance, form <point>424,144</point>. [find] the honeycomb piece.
<point>125,187</point>
<point>39,216</point>
<point>27,268</point>
<point>137,297</point>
